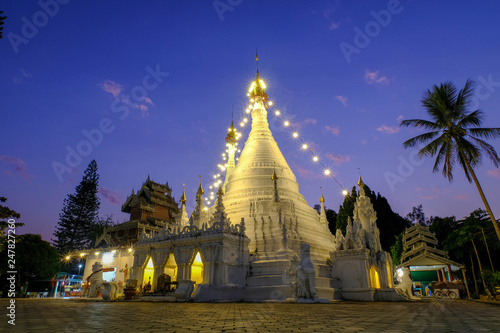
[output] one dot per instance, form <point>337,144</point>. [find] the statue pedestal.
<point>184,290</point>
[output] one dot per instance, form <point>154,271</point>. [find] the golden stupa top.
<point>258,87</point>
<point>360,181</point>
<point>321,199</point>
<point>275,176</point>
<point>200,190</point>
<point>183,198</point>
<point>231,135</point>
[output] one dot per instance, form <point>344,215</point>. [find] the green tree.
<point>99,227</point>
<point>346,210</point>
<point>35,259</point>
<point>456,135</point>
<point>442,227</point>
<point>79,215</point>
<point>397,250</point>
<point>5,214</point>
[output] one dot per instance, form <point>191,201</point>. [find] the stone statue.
<point>125,272</point>
<point>95,279</point>
<point>305,274</point>
<point>291,275</point>
<point>405,287</point>
<point>110,292</point>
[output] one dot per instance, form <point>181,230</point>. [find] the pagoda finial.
<point>275,176</point>
<point>200,190</point>
<point>360,181</point>
<point>257,60</point>
<point>321,199</point>
<point>183,198</point>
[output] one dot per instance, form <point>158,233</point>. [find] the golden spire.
<point>321,199</point>
<point>220,191</point>
<point>360,181</point>
<point>231,134</point>
<point>275,176</point>
<point>258,87</point>
<point>200,190</point>
<point>183,198</point>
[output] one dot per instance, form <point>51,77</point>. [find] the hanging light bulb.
<point>295,134</point>
<point>304,146</point>
<point>242,124</point>
<point>270,103</point>
<point>315,158</point>
<point>327,172</point>
<point>286,123</point>
<point>277,112</point>
<point>344,192</point>
<point>245,120</point>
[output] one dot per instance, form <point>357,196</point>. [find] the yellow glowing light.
<point>205,208</point>
<point>150,263</point>
<point>304,146</point>
<point>295,134</point>
<point>82,254</point>
<point>247,110</point>
<point>315,158</point>
<point>215,184</point>
<point>245,120</point>
<point>208,202</point>
<point>344,192</point>
<point>327,172</point>
<point>251,87</point>
<point>286,123</point>
<point>270,103</point>
<point>130,249</point>
<point>277,112</point>
<point>251,100</point>
<point>67,257</point>
<point>242,124</point>
<point>262,84</point>
<point>97,253</point>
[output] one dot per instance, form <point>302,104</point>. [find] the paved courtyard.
<point>50,315</point>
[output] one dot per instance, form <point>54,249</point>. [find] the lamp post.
<point>79,268</point>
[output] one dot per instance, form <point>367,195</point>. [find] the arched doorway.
<point>171,268</point>
<point>197,269</point>
<point>149,271</point>
<point>374,278</point>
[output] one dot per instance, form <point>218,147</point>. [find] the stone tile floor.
<point>52,315</point>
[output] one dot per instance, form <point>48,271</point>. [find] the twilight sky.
<point>153,83</point>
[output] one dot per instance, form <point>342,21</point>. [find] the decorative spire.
<point>231,135</point>
<point>183,198</point>
<point>200,190</point>
<point>360,181</point>
<point>220,192</point>
<point>275,176</point>
<point>258,87</point>
<point>321,199</point>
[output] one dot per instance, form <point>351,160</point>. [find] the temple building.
<point>246,246</point>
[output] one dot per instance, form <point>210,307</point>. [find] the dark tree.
<point>5,214</point>
<point>99,228</point>
<point>35,259</point>
<point>79,215</point>
<point>346,210</point>
<point>417,216</point>
<point>2,18</point>
<point>397,250</point>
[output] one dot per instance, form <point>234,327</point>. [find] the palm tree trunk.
<point>481,193</point>
<point>473,273</point>
<point>480,267</point>
<point>488,249</point>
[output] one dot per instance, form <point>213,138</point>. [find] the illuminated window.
<point>197,269</point>
<point>149,272</point>
<point>171,268</point>
<point>374,278</point>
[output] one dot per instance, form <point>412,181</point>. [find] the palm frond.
<point>471,152</point>
<point>449,161</point>
<point>420,123</point>
<point>422,138</point>
<point>431,148</point>
<point>490,151</point>
<point>461,161</point>
<point>439,158</point>
<point>472,119</point>
<point>464,97</point>
<point>485,133</point>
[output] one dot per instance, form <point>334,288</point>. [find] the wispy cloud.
<point>494,173</point>
<point>116,90</point>
<point>26,73</point>
<point>390,129</point>
<point>22,76</point>
<point>306,173</point>
<point>342,99</point>
<point>111,87</point>
<point>333,129</point>
<point>338,159</point>
<point>114,198</point>
<point>363,142</point>
<point>375,78</point>
<point>462,197</point>
<point>308,121</point>
<point>18,166</point>
<point>334,25</point>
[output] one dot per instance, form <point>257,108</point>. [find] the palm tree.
<point>455,134</point>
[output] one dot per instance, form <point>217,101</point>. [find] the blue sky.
<point>75,71</point>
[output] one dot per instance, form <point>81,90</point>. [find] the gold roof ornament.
<point>275,176</point>
<point>360,181</point>
<point>200,190</point>
<point>258,87</point>
<point>231,135</point>
<point>183,198</point>
<point>321,199</point>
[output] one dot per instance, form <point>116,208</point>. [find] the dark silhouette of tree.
<point>79,215</point>
<point>455,135</point>
<point>5,214</point>
<point>2,19</point>
<point>417,216</point>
